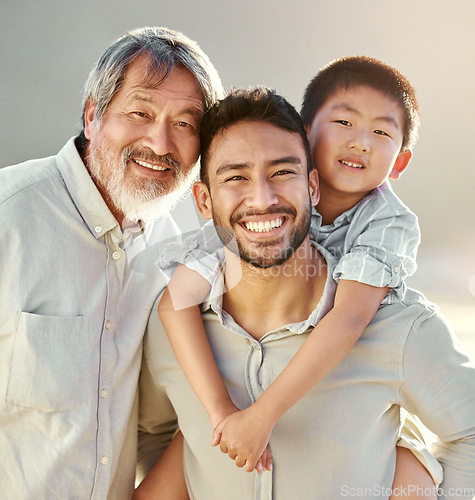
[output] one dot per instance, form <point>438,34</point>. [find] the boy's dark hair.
<point>257,104</point>
<point>349,72</point>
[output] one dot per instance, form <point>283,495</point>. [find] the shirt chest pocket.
<point>49,366</point>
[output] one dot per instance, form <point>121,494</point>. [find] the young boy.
<point>362,118</point>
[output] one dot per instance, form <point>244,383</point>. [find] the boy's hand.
<point>244,436</point>
<point>265,462</point>
<point>225,409</point>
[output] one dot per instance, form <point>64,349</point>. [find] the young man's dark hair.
<point>349,72</point>
<point>258,104</point>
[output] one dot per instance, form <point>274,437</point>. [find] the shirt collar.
<point>214,301</point>
<point>349,214</point>
<point>84,192</point>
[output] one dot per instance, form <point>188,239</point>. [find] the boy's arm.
<point>244,435</point>
<point>181,318</point>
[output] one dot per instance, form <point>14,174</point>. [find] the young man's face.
<point>259,191</point>
<point>356,139</point>
<point>148,139</point>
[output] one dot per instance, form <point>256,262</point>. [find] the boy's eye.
<point>381,132</point>
<point>344,122</point>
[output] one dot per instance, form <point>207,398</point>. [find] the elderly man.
<point>339,439</point>
<point>73,311</point>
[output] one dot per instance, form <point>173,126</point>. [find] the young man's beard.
<point>137,198</point>
<point>260,254</point>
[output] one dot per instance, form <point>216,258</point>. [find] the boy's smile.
<point>356,139</point>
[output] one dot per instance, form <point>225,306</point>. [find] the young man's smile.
<point>260,190</point>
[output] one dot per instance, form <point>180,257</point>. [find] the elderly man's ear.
<point>203,199</point>
<point>89,123</point>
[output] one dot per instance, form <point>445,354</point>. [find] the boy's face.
<point>356,139</point>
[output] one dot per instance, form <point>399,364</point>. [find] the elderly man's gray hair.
<point>165,49</point>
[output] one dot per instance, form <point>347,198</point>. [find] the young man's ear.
<point>89,113</point>
<point>313,187</point>
<point>202,199</point>
<point>401,163</point>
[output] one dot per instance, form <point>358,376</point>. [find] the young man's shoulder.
<point>413,313</point>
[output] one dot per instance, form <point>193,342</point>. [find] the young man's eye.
<point>183,124</point>
<point>284,172</point>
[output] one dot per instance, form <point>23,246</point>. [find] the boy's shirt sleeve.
<point>201,252</point>
<point>381,244</point>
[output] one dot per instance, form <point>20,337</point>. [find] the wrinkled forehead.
<point>152,72</point>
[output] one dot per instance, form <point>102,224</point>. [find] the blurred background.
<point>47,49</point>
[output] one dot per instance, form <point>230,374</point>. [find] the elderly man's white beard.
<point>138,199</point>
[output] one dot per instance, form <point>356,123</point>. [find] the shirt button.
<point>108,325</point>
<point>98,229</point>
<point>104,393</point>
<point>104,460</point>
<point>116,255</point>
<point>397,269</point>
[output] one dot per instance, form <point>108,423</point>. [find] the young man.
<point>364,121</point>
<point>73,311</point>
<point>339,439</point>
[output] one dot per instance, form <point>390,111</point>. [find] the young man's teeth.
<point>351,164</point>
<point>149,165</point>
<point>263,227</point>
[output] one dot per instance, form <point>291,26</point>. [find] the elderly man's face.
<point>259,191</point>
<point>142,153</point>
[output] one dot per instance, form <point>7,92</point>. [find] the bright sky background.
<point>48,47</point>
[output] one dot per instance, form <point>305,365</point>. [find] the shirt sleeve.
<point>438,386</point>
<point>201,252</point>
<point>383,253</point>
<point>157,418</point>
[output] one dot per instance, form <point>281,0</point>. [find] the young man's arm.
<point>157,422</point>
<point>439,387</point>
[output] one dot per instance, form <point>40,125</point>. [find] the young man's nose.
<point>262,195</point>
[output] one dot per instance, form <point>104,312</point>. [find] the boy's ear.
<point>401,163</point>
<point>313,187</point>
<point>89,113</point>
<point>202,199</point>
